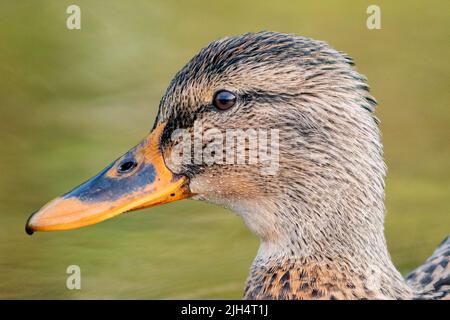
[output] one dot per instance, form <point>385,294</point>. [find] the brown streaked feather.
<point>309,281</point>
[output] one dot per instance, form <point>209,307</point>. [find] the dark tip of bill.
<point>28,229</point>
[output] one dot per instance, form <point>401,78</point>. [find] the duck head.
<point>296,101</point>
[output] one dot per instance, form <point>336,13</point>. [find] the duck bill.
<point>139,179</point>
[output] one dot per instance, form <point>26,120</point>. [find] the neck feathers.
<point>320,254</point>
<point>312,279</point>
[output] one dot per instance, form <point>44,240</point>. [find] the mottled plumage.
<point>432,279</point>
<point>320,218</point>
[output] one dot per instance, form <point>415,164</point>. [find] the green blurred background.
<point>72,101</point>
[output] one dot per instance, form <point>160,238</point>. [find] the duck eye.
<point>126,166</point>
<point>224,100</point>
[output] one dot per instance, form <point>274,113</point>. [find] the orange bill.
<point>139,179</point>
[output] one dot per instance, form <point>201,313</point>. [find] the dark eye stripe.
<point>224,99</point>
<point>269,96</point>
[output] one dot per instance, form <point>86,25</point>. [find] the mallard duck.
<point>319,214</point>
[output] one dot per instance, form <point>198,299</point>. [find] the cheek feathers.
<point>225,186</point>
